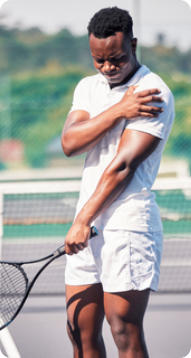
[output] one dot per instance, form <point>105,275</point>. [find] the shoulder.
<point>150,80</point>
<point>89,81</point>
<point>153,80</point>
<point>161,125</point>
<point>84,92</point>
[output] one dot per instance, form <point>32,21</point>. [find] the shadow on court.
<point>39,331</point>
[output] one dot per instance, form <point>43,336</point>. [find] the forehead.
<point>110,45</point>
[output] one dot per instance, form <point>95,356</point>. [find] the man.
<point>121,117</point>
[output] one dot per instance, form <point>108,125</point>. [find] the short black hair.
<point>106,22</point>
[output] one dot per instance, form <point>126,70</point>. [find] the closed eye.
<point>99,60</point>
<point>117,59</point>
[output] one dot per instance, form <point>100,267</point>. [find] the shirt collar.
<point>142,71</point>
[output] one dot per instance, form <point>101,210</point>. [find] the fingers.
<point>131,89</point>
<point>148,115</point>
<point>149,92</point>
<point>150,98</point>
<point>144,93</point>
<point>150,111</point>
<point>75,248</point>
<point>77,238</point>
<point>149,95</point>
<point>146,103</point>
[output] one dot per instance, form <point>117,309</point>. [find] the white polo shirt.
<point>135,209</point>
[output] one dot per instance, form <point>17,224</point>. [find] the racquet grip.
<point>61,250</point>
<point>94,232</point>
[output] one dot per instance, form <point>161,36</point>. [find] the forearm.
<point>112,183</point>
<point>81,136</point>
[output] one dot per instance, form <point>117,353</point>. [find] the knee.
<point>119,332</point>
<point>125,334</point>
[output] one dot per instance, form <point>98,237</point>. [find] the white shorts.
<point>119,259</point>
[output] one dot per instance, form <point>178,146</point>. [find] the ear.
<point>134,45</point>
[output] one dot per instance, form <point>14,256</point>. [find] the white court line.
<point>2,355</point>
<point>2,2</point>
<point>189,355</point>
<point>8,344</point>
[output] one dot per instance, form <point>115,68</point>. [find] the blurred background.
<point>44,52</point>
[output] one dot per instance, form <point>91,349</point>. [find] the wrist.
<point>83,220</point>
<point>118,111</point>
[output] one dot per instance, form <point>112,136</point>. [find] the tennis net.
<point>35,217</point>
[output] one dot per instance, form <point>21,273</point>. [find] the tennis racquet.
<point>15,285</point>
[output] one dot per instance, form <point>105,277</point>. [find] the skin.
<point>114,57</point>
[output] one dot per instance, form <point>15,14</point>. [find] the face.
<point>114,57</point>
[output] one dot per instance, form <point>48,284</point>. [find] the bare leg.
<point>85,319</point>
<point>124,312</point>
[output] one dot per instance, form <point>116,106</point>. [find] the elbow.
<point>126,164</point>
<point>122,168</point>
<point>119,173</point>
<point>66,146</point>
<point>67,152</point>
<point>124,171</point>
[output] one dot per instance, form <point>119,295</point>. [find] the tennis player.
<point>121,117</point>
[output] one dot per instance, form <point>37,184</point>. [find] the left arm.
<point>133,148</point>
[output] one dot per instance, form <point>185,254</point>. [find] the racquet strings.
<point>13,285</point>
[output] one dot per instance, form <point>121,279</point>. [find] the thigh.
<point>85,309</point>
<point>129,307</point>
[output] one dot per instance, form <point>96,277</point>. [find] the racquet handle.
<point>61,249</point>
<point>94,232</point>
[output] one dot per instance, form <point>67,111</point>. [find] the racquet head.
<point>13,287</point>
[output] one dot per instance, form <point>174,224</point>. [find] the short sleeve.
<point>159,126</point>
<point>81,96</point>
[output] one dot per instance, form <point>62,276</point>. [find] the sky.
<point>171,17</point>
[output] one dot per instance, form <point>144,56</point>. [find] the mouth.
<point>111,75</point>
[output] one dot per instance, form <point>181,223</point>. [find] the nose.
<point>108,67</point>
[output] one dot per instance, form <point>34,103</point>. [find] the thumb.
<point>131,89</point>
